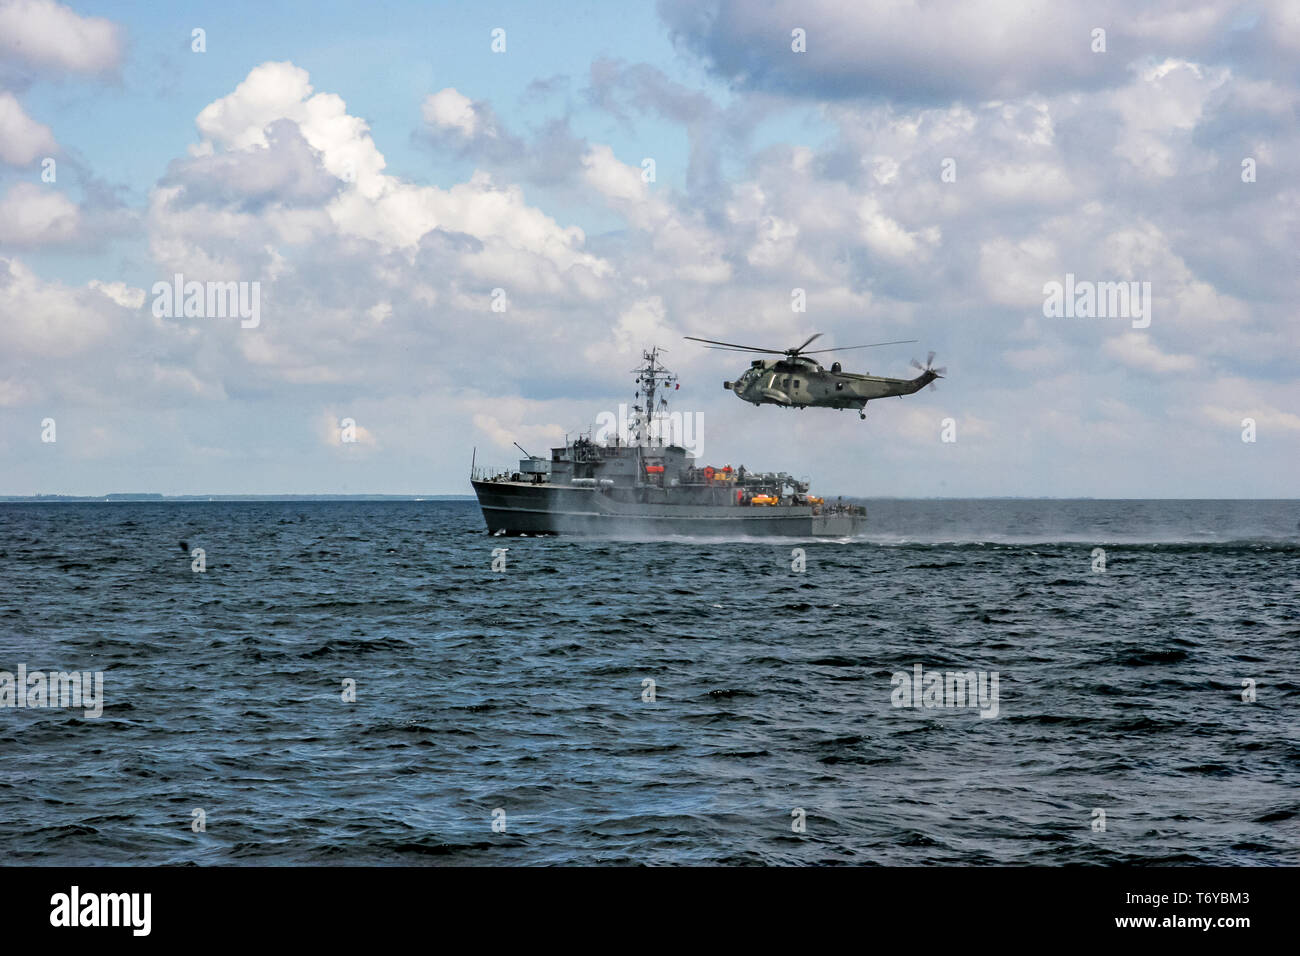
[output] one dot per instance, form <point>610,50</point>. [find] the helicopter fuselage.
<point>802,382</point>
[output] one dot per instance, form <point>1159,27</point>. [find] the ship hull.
<point>518,508</point>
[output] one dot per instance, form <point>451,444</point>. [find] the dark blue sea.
<point>1124,730</point>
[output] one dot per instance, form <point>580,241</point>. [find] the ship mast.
<point>650,378</point>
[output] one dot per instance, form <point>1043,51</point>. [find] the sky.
<point>462,222</point>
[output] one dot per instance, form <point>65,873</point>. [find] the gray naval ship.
<point>642,485</point>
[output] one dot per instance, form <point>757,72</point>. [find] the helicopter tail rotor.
<point>929,369</point>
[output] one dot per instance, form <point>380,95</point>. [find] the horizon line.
<point>136,497</point>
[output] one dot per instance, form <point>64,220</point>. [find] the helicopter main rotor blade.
<point>846,348</point>
<point>725,348</point>
<point>797,350</point>
<point>744,348</point>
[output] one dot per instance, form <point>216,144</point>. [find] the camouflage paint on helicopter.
<point>797,381</point>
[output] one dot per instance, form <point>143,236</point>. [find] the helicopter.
<point>797,381</point>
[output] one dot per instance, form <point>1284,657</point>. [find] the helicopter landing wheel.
<point>862,415</point>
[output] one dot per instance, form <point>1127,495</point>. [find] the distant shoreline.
<point>146,498</point>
